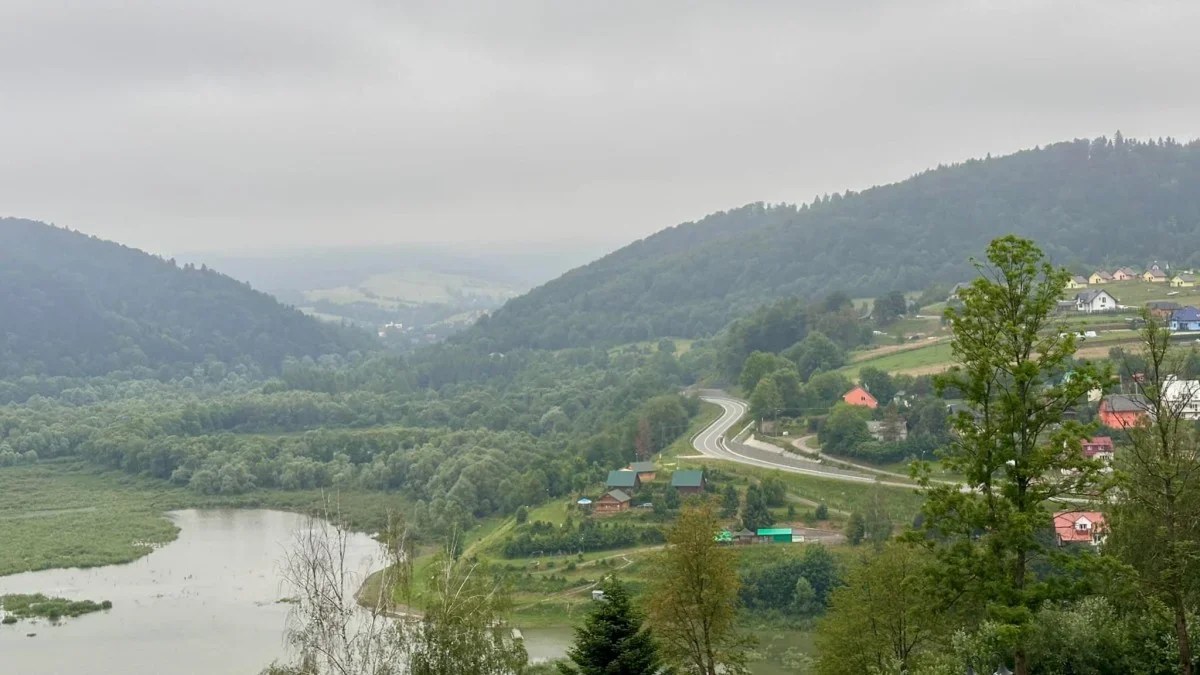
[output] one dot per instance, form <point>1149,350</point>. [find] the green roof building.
<point>688,481</point>
<point>622,479</point>
<point>776,534</point>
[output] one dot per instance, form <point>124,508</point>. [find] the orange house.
<point>862,397</point>
<point>1121,411</point>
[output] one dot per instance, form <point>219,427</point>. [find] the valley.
<point>165,429</point>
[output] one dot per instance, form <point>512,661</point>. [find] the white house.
<point>1182,396</point>
<point>1098,300</point>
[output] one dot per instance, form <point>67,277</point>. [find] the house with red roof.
<point>1099,447</point>
<point>1079,527</point>
<point>861,397</point>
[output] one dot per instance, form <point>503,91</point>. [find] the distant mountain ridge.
<point>1104,201</point>
<point>71,304</point>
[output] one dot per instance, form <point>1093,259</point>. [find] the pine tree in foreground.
<point>612,640</point>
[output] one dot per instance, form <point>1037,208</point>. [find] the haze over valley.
<point>621,338</point>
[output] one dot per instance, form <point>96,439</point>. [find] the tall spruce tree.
<point>756,514</point>
<point>612,640</point>
<point>1021,453</point>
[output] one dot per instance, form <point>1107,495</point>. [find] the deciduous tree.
<point>1155,524</point>
<point>1022,452</point>
<point>693,606</point>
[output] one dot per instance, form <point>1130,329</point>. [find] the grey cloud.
<point>225,125</point>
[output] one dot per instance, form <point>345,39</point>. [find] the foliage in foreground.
<point>613,639</point>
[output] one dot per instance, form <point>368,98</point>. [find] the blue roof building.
<point>1186,319</point>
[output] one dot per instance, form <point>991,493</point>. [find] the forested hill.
<point>72,305</point>
<point>1108,201</point>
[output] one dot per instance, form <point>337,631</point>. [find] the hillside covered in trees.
<point>76,305</point>
<point>1106,201</point>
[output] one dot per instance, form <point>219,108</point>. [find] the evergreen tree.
<point>756,515</point>
<point>729,502</point>
<point>613,640</point>
<point>856,529</point>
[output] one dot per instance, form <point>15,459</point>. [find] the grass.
<point>920,360</point>
<point>40,606</point>
<point>902,504</point>
<point>1139,293</point>
<point>72,514</point>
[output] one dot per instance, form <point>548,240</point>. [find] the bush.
<point>822,512</point>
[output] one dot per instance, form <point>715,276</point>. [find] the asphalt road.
<point>716,441</point>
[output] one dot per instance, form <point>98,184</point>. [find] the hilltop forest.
<point>75,305</point>
<point>1104,201</point>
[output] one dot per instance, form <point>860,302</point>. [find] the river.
<point>206,603</point>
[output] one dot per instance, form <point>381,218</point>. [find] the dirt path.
<point>582,589</point>
<point>880,352</point>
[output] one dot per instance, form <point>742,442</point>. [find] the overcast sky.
<point>230,125</point>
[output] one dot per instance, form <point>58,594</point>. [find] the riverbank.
<point>64,514</point>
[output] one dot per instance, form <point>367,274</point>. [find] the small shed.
<point>688,481</point>
<point>776,534</point>
<point>743,536</point>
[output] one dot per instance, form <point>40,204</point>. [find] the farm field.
<point>933,357</point>
<point>416,287</point>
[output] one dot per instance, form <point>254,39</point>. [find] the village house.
<point>1184,319</point>
<point>1077,282</point>
<point>879,431</point>
<point>688,482</point>
<point>861,397</point>
<point>1098,300</point>
<point>1098,447</point>
<point>624,480</point>
<point>1079,527</point>
<point>1124,274</point>
<point>612,501</point>
<point>1183,281</point>
<point>1100,277</point>
<point>1154,275</point>
<point>1182,397</point>
<point>645,471</point>
<point>1121,411</point>
<point>1162,309</point>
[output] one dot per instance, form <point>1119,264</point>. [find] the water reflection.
<point>206,603</point>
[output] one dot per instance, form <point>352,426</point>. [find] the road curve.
<point>714,441</point>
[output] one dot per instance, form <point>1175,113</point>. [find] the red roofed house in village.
<point>1079,527</point>
<point>1099,447</point>
<point>860,396</point>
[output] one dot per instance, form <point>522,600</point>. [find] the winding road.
<point>715,441</point>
